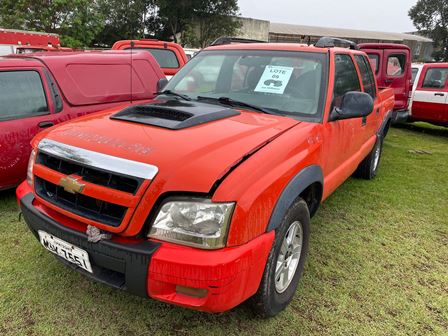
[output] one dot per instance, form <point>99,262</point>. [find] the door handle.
<point>45,124</point>
<point>439,94</point>
<point>388,81</point>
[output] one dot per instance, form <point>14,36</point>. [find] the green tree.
<point>430,17</point>
<point>124,20</point>
<point>215,18</point>
<point>173,17</point>
<point>77,21</point>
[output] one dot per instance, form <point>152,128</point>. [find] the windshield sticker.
<point>274,79</point>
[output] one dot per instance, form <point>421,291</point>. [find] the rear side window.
<point>435,78</point>
<point>346,78</point>
<point>396,65</point>
<point>366,75</point>
<point>165,57</point>
<point>375,60</point>
<point>21,95</point>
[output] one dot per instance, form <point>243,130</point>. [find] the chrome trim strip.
<point>98,160</point>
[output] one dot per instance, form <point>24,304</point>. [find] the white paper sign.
<point>274,79</point>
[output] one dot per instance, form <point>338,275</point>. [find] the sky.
<point>379,15</point>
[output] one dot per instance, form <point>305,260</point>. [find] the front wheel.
<point>285,263</point>
<point>368,167</point>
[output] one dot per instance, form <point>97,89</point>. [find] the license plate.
<point>69,252</point>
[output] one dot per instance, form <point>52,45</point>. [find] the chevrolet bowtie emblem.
<point>71,184</point>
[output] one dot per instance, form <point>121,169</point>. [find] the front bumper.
<point>122,266</point>
<point>163,271</point>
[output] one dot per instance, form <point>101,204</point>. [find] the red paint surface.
<point>230,275</point>
<point>16,37</point>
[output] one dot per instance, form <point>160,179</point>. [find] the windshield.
<point>283,82</point>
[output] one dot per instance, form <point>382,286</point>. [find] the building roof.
<point>291,29</point>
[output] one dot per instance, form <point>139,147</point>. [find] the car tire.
<point>285,263</point>
<point>368,167</point>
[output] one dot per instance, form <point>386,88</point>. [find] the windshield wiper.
<point>232,102</point>
<point>172,93</point>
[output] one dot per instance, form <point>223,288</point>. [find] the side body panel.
<point>430,102</point>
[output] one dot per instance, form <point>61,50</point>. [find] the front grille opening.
<point>81,205</point>
<point>161,113</point>
<point>92,175</point>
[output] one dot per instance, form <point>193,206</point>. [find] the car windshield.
<point>280,82</point>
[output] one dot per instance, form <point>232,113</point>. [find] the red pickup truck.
<point>170,56</point>
<point>393,68</point>
<point>40,90</point>
<point>203,197</point>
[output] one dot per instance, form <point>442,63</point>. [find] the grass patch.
<point>378,265</point>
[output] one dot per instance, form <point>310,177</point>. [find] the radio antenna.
<point>132,66</point>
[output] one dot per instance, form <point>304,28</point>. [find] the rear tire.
<point>368,167</point>
<point>285,263</point>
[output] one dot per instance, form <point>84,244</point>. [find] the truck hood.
<point>189,159</point>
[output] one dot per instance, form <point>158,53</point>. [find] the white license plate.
<point>69,252</point>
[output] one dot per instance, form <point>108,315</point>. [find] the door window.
<point>375,61</point>
<point>21,95</point>
<point>346,78</point>
<point>435,78</point>
<point>366,75</point>
<point>396,64</point>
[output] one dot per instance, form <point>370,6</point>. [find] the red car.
<point>393,69</point>
<point>203,197</point>
<point>41,90</point>
<point>430,97</point>
<point>170,56</point>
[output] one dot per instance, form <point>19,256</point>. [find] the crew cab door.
<point>430,101</point>
<point>370,123</point>
<point>341,136</point>
<point>25,109</point>
<point>397,75</point>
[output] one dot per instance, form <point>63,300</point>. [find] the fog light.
<point>190,291</point>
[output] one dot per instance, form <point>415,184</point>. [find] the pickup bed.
<point>41,90</point>
<point>203,197</point>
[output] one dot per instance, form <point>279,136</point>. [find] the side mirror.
<point>161,84</point>
<point>354,105</point>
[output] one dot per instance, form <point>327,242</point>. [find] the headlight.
<point>199,223</point>
<point>29,171</point>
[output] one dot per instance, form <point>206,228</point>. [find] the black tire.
<point>268,301</point>
<point>368,167</point>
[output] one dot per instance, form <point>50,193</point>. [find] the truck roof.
<point>383,46</point>
<point>279,47</point>
<point>96,77</point>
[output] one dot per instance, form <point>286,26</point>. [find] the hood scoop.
<point>174,114</point>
